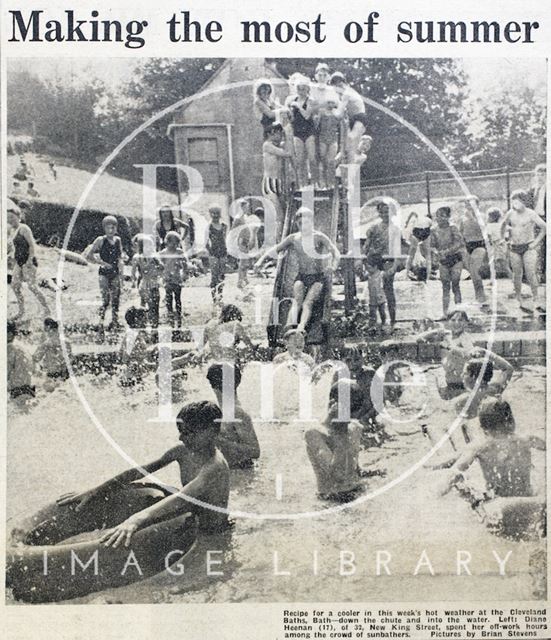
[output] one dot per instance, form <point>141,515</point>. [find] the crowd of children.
<point>510,245</point>
<point>319,117</point>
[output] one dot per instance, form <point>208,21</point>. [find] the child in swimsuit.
<point>167,223</point>
<point>266,105</point>
<point>294,354</point>
<point>174,275</point>
<point>223,334</point>
<point>301,108</point>
<point>237,440</point>
<point>107,252</point>
<point>19,368</point>
<point>313,270</point>
<point>522,222</point>
<point>420,241</point>
<point>487,374</point>
<point>353,105</point>
<point>49,355</point>
<point>475,253</point>
<point>448,242</point>
<point>500,250</point>
<point>506,462</point>
<point>457,349</point>
<point>274,153</point>
<point>383,248</point>
<point>204,476</point>
<point>23,260</point>
<point>334,451</point>
<point>328,141</point>
<point>134,350</point>
<point>146,271</point>
<point>218,253</point>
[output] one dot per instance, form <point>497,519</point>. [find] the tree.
<point>61,117</point>
<point>511,130</point>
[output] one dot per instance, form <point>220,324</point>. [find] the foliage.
<point>512,130</point>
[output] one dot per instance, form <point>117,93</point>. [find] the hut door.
<point>206,149</point>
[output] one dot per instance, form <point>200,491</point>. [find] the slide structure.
<point>326,208</point>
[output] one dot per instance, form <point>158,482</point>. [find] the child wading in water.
<point>294,355</point>
<point>237,439</point>
<point>134,350</point>
<point>19,368</point>
<point>334,452</point>
<point>448,242</point>
<point>218,253</point>
<point>457,349</point>
<point>146,271</point>
<point>475,252</point>
<point>506,462</point>
<point>382,248</point>
<point>522,223</point>
<point>106,251</point>
<point>175,268</point>
<point>498,244</point>
<point>23,260</point>
<point>49,355</point>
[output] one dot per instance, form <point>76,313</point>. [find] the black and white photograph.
<point>276,331</point>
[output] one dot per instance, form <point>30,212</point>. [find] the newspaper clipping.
<point>275,320</point>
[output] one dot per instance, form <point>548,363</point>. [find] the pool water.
<point>53,448</point>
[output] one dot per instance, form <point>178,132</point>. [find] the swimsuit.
<point>22,249</point>
<point>451,261</point>
<point>520,249</point>
<point>25,390</point>
<point>341,496</point>
<point>266,123</point>
<point>421,233</point>
<point>328,131</point>
<point>308,279</point>
<point>161,231</point>
<point>110,253</point>
<point>303,128</point>
<point>271,186</point>
<point>61,375</point>
<point>359,117</point>
<point>471,245</point>
<point>217,241</point>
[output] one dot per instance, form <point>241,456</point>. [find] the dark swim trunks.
<point>475,244</point>
<point>25,390</point>
<point>59,375</point>
<point>359,117</point>
<point>421,233</point>
<point>375,260</point>
<point>520,249</point>
<point>341,496</point>
<point>308,279</point>
<point>451,261</point>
